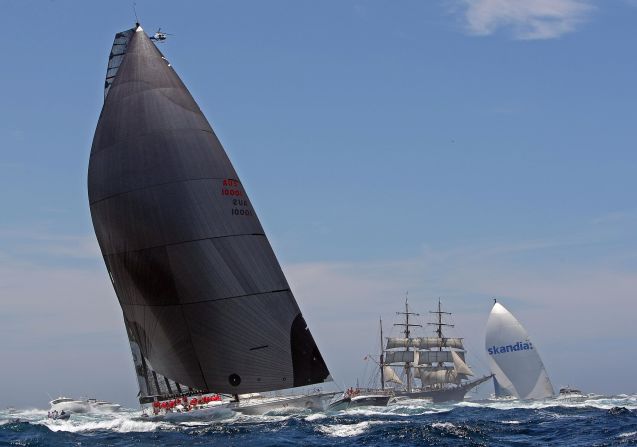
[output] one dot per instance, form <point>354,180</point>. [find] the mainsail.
<point>514,360</point>
<point>206,305</point>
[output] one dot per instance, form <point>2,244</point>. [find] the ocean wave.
<point>586,420</point>
<point>117,425</point>
<point>347,430</point>
<point>629,434</point>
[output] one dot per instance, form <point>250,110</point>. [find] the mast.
<point>439,324</point>
<point>381,363</point>
<point>407,332</point>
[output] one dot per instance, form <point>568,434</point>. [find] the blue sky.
<point>462,149</point>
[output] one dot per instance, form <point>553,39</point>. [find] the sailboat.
<point>206,306</point>
<point>438,363</point>
<point>514,360</point>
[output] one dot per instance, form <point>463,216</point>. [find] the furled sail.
<point>401,357</point>
<point>205,302</point>
<point>394,342</point>
<point>514,359</point>
<point>390,375</point>
<point>424,342</point>
<point>438,375</point>
<point>428,357</point>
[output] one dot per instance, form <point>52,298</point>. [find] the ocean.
<point>590,420</point>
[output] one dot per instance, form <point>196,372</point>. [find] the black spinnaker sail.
<point>205,303</point>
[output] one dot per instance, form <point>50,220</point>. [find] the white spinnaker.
<point>514,359</point>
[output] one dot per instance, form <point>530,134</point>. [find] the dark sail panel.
<point>205,302</point>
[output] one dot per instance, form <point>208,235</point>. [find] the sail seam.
<point>154,132</point>
<point>194,347</point>
<point>183,242</point>
<point>211,299</point>
<point>157,185</point>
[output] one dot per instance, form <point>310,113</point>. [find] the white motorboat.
<point>83,405</point>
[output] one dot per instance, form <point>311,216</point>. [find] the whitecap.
<point>629,434</point>
<point>117,424</point>
<point>315,417</point>
<point>347,430</point>
<point>444,425</point>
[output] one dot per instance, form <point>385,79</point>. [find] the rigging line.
<point>194,348</point>
<point>182,242</point>
<point>157,185</point>
<point>154,132</point>
<point>207,300</point>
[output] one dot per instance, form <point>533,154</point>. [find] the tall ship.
<point>426,367</point>
<point>206,306</point>
<point>514,359</point>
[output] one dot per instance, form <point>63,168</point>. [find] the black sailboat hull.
<point>455,394</point>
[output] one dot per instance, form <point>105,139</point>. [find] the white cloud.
<point>31,243</point>
<point>526,19</point>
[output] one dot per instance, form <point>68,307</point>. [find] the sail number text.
<point>240,205</point>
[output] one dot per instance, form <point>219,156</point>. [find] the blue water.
<point>583,421</point>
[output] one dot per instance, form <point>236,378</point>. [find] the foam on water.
<point>118,425</point>
<point>445,425</point>
<point>629,434</point>
<point>315,417</point>
<point>347,430</point>
<point>583,420</point>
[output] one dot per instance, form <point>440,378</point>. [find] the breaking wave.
<point>583,420</point>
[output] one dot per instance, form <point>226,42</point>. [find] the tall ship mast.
<point>434,367</point>
<point>409,358</point>
<point>205,303</point>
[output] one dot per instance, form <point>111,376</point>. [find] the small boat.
<point>568,391</point>
<point>82,405</point>
<point>59,416</point>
